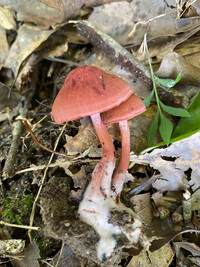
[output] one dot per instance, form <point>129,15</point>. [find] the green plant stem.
<point>154,85</point>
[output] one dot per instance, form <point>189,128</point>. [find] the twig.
<point>8,169</point>
<point>41,167</point>
<point>20,226</point>
<point>33,128</point>
<point>19,258</point>
<point>68,62</point>
<point>61,252</point>
<point>47,263</point>
<point>42,146</point>
<point>135,191</point>
<point>42,182</point>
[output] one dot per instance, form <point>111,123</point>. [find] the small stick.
<point>61,252</point>
<point>8,169</point>
<point>42,146</point>
<point>20,226</point>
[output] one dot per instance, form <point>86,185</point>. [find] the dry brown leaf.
<point>154,17</point>
<point>173,63</point>
<point>172,163</point>
<point>160,46</point>
<point>196,200</point>
<point>28,39</point>
<point>193,248</point>
<point>8,99</point>
<point>159,258</point>
<point>7,18</point>
<point>115,19</point>
<point>138,130</point>
<point>31,256</point>
<point>67,8</point>
<point>34,11</point>
<point>82,141</point>
<point>142,207</point>
<point>158,200</point>
<point>4,49</point>
<point>66,258</point>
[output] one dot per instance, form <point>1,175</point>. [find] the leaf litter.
<point>162,186</point>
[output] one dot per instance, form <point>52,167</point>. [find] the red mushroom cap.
<point>88,90</point>
<point>130,108</point>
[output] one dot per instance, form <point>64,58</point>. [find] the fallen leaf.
<point>172,163</point>
<point>65,258</point>
<point>67,8</point>
<point>4,48</point>
<point>31,256</point>
<point>28,39</point>
<point>7,18</point>
<point>34,11</point>
<point>193,248</point>
<point>142,207</point>
<point>82,141</point>
<point>8,99</point>
<point>161,257</point>
<point>196,199</point>
<point>181,44</point>
<point>154,17</point>
<point>12,246</point>
<point>171,66</point>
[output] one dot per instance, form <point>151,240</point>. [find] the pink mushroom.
<point>89,91</point>
<point>130,108</point>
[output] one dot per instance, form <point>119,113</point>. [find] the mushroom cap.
<point>130,108</point>
<point>88,90</point>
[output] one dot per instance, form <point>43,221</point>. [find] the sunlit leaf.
<point>168,82</point>
<point>186,125</point>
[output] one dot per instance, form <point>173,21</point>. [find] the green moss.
<point>15,208</point>
<point>46,247</point>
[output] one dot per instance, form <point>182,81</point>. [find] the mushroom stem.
<point>94,208</point>
<point>100,186</point>
<point>102,174</point>
<point>120,172</point>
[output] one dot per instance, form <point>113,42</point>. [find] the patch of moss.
<point>46,247</point>
<point>16,208</point>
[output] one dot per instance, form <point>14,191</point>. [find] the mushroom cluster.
<point>106,98</point>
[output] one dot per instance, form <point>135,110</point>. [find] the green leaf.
<point>186,125</point>
<point>152,130</point>
<point>165,129</point>
<point>168,82</point>
<point>192,123</point>
<point>173,140</point>
<point>175,111</point>
<point>147,100</point>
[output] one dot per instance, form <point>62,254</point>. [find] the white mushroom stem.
<point>94,208</point>
<point>120,172</point>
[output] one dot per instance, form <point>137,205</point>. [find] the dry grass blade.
<point>20,226</point>
<point>42,182</point>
